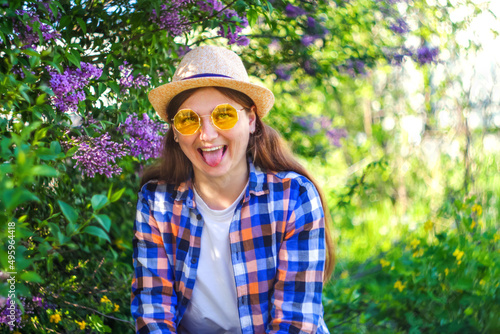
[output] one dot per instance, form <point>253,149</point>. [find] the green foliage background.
<point>417,241</point>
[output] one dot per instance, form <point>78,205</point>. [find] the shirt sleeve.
<point>296,301</point>
<point>153,300</point>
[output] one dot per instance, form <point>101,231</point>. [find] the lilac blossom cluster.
<point>127,80</point>
<point>29,33</point>
<point>313,125</point>
<point>353,67</point>
<point>29,306</point>
<point>314,30</point>
<point>68,86</point>
<point>145,136</point>
<point>217,8</point>
<point>423,55</point>
<point>426,55</point>
<point>293,11</point>
<point>170,19</point>
<point>98,155</point>
<point>400,26</point>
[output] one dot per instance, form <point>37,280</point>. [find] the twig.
<point>95,311</point>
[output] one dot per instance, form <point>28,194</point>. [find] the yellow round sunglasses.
<point>187,121</point>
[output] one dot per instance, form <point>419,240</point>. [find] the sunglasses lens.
<point>186,122</point>
<point>225,116</point>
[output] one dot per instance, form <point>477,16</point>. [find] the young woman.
<point>230,233</point>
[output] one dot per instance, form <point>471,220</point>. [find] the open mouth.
<point>213,155</point>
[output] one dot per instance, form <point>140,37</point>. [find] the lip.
<point>212,148</point>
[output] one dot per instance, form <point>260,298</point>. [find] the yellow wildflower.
<point>482,282</point>
<point>16,332</point>
<point>496,237</point>
<point>117,308</point>
<point>458,254</point>
<point>56,318</point>
<point>443,286</point>
<point>477,209</point>
<point>481,224</point>
<point>344,274</point>
<point>384,263</point>
<point>105,300</point>
<point>399,285</point>
<point>82,324</point>
<point>473,224</point>
<point>446,271</point>
<point>428,226</point>
<point>392,268</point>
<point>415,243</point>
<point>418,253</point>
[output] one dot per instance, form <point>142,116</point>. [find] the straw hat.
<point>208,66</point>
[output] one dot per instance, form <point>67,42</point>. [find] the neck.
<point>220,193</point>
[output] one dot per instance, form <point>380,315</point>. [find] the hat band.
<point>204,75</point>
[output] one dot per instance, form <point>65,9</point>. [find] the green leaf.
<point>12,198</point>
<point>40,100</point>
<point>69,212</point>
<point>31,52</point>
<point>73,59</point>
<point>114,86</point>
<point>98,232</point>
<point>98,201</point>
<point>55,146</point>
<point>104,220</point>
<point>82,24</point>
<point>117,195</point>
<point>44,170</point>
<point>31,276</point>
<point>252,16</point>
<point>70,228</point>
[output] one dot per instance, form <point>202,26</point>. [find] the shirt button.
<point>194,260</point>
<point>198,216</point>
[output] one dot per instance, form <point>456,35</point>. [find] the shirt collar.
<point>257,186</point>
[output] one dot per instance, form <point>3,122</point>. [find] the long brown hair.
<point>268,150</point>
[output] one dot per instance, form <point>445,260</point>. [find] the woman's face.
<point>216,153</point>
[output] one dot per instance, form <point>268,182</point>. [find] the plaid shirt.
<point>277,250</point>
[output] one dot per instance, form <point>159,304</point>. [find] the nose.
<point>208,131</point>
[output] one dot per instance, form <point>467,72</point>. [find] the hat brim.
<point>161,96</point>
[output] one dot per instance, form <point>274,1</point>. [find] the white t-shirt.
<point>213,308</point>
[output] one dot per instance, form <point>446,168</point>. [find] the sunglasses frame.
<point>211,118</point>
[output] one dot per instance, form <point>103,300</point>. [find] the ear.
<point>252,118</point>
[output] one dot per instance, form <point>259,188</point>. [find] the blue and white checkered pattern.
<point>277,241</point>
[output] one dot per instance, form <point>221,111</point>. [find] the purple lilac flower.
<point>210,6</point>
<point>29,305</point>
<point>293,11</point>
<point>353,67</point>
<point>127,80</point>
<point>145,136</point>
<point>28,35</point>
<point>313,125</point>
<point>170,18</point>
<point>400,27</point>
<point>11,314</point>
<point>98,155</point>
<point>426,55</point>
<point>307,40</point>
<point>182,50</point>
<point>68,86</point>
<point>233,37</point>
<point>282,73</point>
<point>309,68</point>
<point>334,136</point>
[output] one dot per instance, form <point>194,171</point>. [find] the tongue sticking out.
<point>213,158</point>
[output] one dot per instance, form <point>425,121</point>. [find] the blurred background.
<point>393,105</point>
